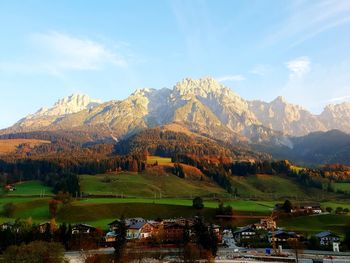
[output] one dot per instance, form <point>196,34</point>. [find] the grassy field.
<point>296,168</point>
<point>160,160</point>
<point>263,186</point>
<point>78,212</point>
<point>238,205</point>
<point>30,188</point>
<point>27,201</point>
<point>100,211</point>
<point>335,204</point>
<point>16,200</point>
<point>25,207</point>
<point>315,224</point>
<point>10,145</point>
<point>165,196</point>
<point>342,186</point>
<point>148,186</point>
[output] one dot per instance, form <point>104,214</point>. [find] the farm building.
<point>327,238</point>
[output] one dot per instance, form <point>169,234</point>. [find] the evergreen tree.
<point>347,237</point>
<point>121,238</point>
<point>197,203</point>
<point>287,206</point>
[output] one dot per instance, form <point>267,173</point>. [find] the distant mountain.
<point>316,148</point>
<point>45,117</point>
<point>290,119</point>
<point>173,140</point>
<point>337,116</point>
<point>203,106</point>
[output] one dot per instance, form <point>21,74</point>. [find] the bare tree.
<point>296,246</point>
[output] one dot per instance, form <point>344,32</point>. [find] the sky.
<point>106,49</point>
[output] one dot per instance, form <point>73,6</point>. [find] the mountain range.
<point>203,105</point>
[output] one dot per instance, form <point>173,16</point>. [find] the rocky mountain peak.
<point>198,87</point>
<point>341,110</point>
<point>142,92</point>
<point>203,105</point>
<point>279,100</point>
<point>68,105</point>
<point>337,116</point>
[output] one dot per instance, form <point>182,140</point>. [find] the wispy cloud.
<point>298,67</point>
<point>324,84</point>
<point>261,70</point>
<point>231,78</point>
<point>56,53</point>
<point>307,19</point>
<point>339,99</point>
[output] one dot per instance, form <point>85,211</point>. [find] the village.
<point>175,232</point>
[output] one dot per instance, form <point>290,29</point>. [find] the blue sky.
<point>107,49</point>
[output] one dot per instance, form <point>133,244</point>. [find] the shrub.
<point>9,209</point>
<point>35,252</point>
<point>197,203</point>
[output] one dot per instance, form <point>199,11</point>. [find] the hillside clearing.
<point>264,186</point>
<point>342,186</point>
<point>8,146</point>
<point>27,188</point>
<point>151,160</point>
<point>148,186</point>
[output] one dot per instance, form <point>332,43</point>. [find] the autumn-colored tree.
<point>53,207</point>
<point>134,166</point>
<point>63,197</point>
<point>37,251</point>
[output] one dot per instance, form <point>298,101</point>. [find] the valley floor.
<point>156,196</point>
<point>101,211</point>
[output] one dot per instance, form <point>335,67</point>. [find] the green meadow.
<point>342,186</point>
<point>27,188</point>
<point>314,224</point>
<point>238,205</point>
<point>167,196</point>
<point>148,186</point>
<point>271,187</point>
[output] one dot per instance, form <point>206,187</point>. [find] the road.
<point>226,255</point>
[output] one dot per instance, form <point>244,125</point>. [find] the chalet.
<point>266,224</point>
<point>134,229</point>
<point>245,233</point>
<point>169,231</point>
<point>281,236</point>
<point>305,207</point>
<point>310,207</point>
<point>172,231</point>
<point>83,229</point>
<point>44,226</point>
<point>327,238</point>
<point>10,188</point>
<point>137,228</point>
<point>111,237</point>
<point>113,226</point>
<point>7,225</point>
<point>217,232</point>
<point>149,229</point>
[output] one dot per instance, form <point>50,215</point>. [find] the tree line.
<point>63,173</point>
